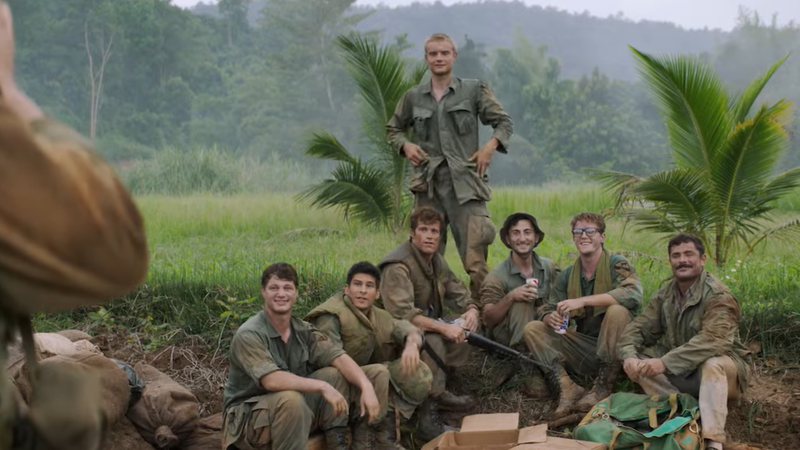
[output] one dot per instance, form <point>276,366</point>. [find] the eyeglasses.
<point>577,232</point>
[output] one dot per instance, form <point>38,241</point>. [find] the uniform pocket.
<point>422,123</point>
<point>463,117</point>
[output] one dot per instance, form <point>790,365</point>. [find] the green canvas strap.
<point>612,445</point>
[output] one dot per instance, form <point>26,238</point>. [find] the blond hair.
<point>440,37</point>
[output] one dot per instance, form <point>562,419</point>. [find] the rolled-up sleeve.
<point>251,354</point>
<point>397,292</point>
<point>323,350</point>
<point>627,289</point>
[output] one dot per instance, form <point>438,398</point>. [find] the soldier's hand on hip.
<point>414,153</point>
<point>483,158</point>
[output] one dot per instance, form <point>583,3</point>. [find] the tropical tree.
<point>371,191</point>
<point>723,185</point>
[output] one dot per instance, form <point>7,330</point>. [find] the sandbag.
<point>207,435</point>
<point>111,383</point>
<point>75,335</point>
<point>125,436</point>
<point>167,412</point>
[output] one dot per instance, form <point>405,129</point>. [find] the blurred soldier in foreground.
<point>600,293</point>
<point>450,171</point>
<point>287,379</point>
<point>416,285</point>
<point>687,340</point>
<point>70,236</point>
<point>371,335</point>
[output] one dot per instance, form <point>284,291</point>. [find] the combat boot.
<point>369,437</point>
<point>451,402</point>
<point>429,423</point>
<point>607,377</point>
<point>565,389</point>
<point>337,438</point>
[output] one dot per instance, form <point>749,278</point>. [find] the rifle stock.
<point>485,343</point>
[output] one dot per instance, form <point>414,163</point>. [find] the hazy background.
<point>224,97</point>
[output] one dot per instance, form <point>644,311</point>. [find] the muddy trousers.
<point>713,384</point>
<point>579,353</point>
<point>451,354</point>
<point>470,223</point>
<point>283,420</point>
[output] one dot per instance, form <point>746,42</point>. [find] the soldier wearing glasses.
<point>598,295</point>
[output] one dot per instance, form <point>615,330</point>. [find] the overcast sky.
<point>687,13</point>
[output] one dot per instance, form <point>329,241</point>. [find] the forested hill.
<point>579,41</point>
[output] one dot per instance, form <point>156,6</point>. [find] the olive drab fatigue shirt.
<point>626,288</point>
<point>448,132</point>
<point>374,337</point>
<point>258,350</point>
<point>410,286</point>
<point>506,277</point>
<point>686,332</point>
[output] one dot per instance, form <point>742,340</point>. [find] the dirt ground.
<point>768,417</point>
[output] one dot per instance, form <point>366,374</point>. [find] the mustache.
<point>684,266</point>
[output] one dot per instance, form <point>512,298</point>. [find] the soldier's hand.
<point>471,319</point>
<point>483,158</point>
<point>553,320</point>
<point>651,367</point>
<point>370,405</point>
<point>414,153</point>
<point>525,293</point>
<point>564,307</point>
<point>631,368</point>
<point>6,46</point>
<point>453,333</point>
<point>336,400</point>
<point>409,360</point>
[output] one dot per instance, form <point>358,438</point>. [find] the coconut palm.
<point>370,191</point>
<point>723,185</point>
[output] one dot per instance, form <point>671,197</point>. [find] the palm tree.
<point>371,191</point>
<point>723,186</point>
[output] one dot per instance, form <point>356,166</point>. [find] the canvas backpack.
<point>636,421</point>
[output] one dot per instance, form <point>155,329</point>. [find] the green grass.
<point>208,252</point>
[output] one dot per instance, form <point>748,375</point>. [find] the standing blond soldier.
<point>450,171</point>
<point>371,335</point>
<point>687,340</point>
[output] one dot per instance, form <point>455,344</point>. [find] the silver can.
<point>564,325</point>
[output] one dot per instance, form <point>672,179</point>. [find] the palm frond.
<point>324,145</point>
<point>780,185</point>
<point>694,104</point>
<point>787,232</point>
<point>741,107</point>
<point>620,184</point>
<point>679,196</point>
<point>358,189</point>
<point>747,162</point>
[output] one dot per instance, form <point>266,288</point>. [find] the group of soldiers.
<point>355,371</point>
<point>289,377</point>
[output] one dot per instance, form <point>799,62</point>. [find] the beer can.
<point>532,282</point>
<point>564,325</point>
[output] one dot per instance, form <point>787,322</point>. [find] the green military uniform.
<point>592,342</point>
<point>410,286</point>
<point>375,337</point>
<point>699,330</point>
<point>505,278</point>
<point>447,131</point>
<point>70,236</point>
<point>255,417</point>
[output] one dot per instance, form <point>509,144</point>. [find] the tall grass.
<point>208,252</point>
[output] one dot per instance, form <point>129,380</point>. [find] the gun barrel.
<point>493,346</point>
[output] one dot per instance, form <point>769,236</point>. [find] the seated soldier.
<point>416,283</point>
<point>371,335</point>
<point>508,296</point>
<point>687,340</point>
<point>509,303</point>
<point>599,293</point>
<point>287,379</point>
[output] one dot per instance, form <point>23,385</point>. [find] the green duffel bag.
<point>637,421</point>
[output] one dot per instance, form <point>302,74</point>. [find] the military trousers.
<point>579,353</point>
<point>713,384</point>
<point>451,354</point>
<point>511,330</point>
<point>473,230</point>
<point>283,420</point>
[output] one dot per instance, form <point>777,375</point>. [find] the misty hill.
<point>579,41</point>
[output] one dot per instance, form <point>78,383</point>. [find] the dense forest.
<point>252,79</point>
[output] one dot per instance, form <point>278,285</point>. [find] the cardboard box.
<point>502,432</point>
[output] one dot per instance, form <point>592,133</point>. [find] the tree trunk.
<point>96,77</point>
